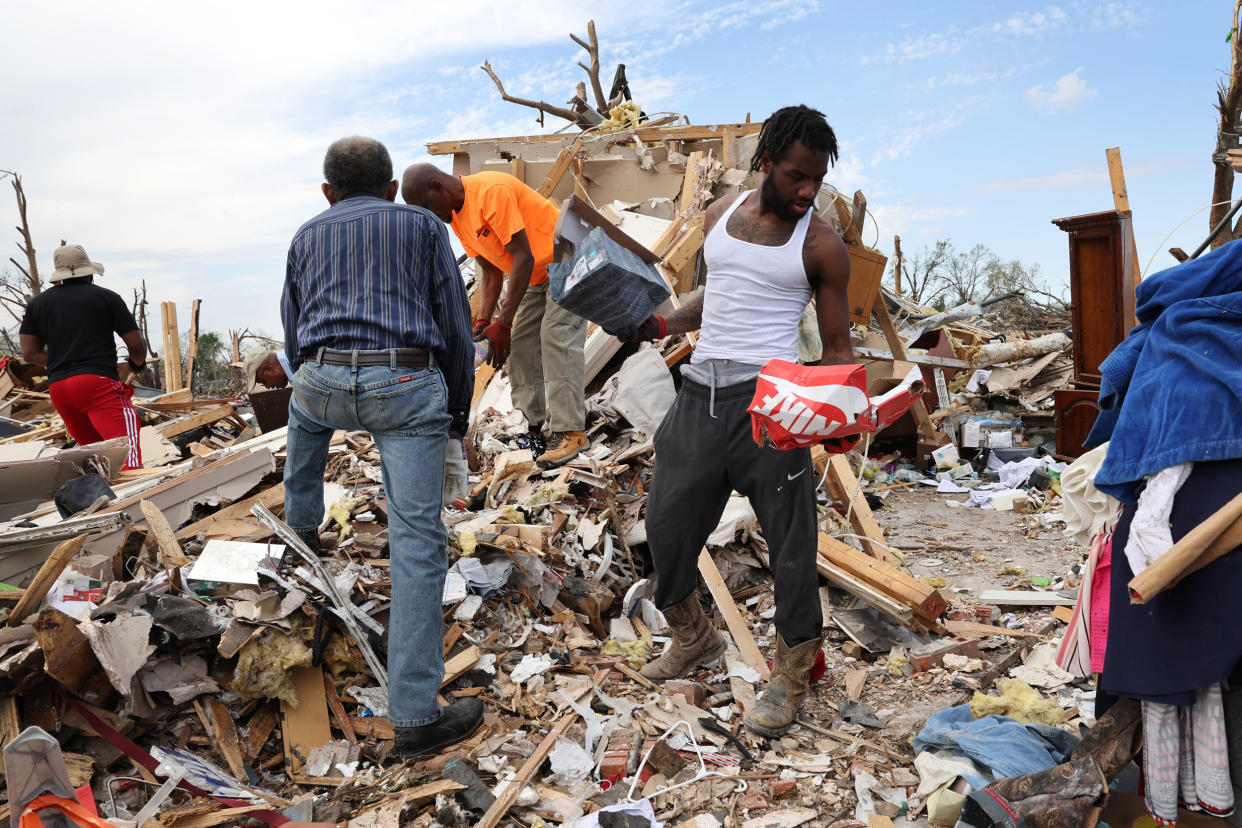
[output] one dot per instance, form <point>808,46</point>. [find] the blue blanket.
<point>1002,747</point>
<point>1172,391</point>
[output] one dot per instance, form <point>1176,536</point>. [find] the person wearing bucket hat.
<point>69,330</point>
<point>268,368</point>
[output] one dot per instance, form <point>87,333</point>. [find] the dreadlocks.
<point>794,123</point>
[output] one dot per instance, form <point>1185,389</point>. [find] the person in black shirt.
<point>68,329</point>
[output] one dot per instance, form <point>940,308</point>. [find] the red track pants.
<point>97,408</point>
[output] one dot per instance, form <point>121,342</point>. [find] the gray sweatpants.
<point>703,452</point>
<point>547,364</point>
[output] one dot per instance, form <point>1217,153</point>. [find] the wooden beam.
<point>194,421</point>
<point>916,359</point>
<point>224,735</point>
<point>689,132</point>
<point>511,792</point>
<point>668,237</point>
<point>738,628</point>
<point>559,168</point>
<point>687,204</point>
<point>172,347</point>
<point>926,601</point>
<point>517,169</point>
<point>170,553</point>
<point>192,349</point>
<point>45,578</point>
<point>682,256</point>
<point>460,664</point>
<point>1121,202</point>
<point>879,311</point>
<point>843,486</point>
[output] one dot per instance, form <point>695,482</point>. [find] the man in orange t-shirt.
<point>507,228</point>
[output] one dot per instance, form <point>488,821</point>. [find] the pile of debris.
<point>174,625</point>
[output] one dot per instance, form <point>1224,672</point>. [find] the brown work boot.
<point>695,641</point>
<point>563,446</point>
<point>791,677</point>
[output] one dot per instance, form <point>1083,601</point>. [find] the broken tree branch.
<point>26,245</point>
<point>592,49</point>
<point>541,106</point>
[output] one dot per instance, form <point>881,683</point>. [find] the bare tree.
<point>1229,105</point>
<point>966,275</point>
<point>26,245</point>
<point>578,110</point>
<point>922,275</point>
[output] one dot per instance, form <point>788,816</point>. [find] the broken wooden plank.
<point>306,726</point>
<point>225,523</point>
<point>844,486</point>
<point>170,553</point>
<point>646,134</point>
<point>1024,598</point>
<point>172,347</point>
<point>224,733</point>
<point>916,359</point>
<point>338,710</point>
<point>191,352</point>
<point>926,601</point>
<point>738,628</point>
<point>460,664</point>
<point>559,168</point>
<point>885,604</point>
<point>45,578</point>
<point>977,629</point>
<point>511,792</point>
<point>879,311</point>
<point>259,729</point>
<point>211,415</point>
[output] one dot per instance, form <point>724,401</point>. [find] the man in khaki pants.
<point>507,228</point>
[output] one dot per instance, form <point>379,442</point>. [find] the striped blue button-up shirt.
<point>368,274</point>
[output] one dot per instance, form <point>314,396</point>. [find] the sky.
<point>182,144</point>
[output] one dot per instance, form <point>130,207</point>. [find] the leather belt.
<point>392,357</point>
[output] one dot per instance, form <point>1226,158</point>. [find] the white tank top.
<point>754,297</point>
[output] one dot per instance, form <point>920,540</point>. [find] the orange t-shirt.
<point>497,206</point>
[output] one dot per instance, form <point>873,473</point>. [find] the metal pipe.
<point>1237,205</point>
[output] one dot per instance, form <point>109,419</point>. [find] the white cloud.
<point>1060,180</point>
<point>913,222</point>
<point>1064,94</point>
<point>918,128</point>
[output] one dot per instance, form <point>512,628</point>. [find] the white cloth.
<point>1087,509</point>
<point>1150,534</point>
<point>755,295</point>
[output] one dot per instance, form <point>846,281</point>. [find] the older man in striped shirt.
<point>377,330</point>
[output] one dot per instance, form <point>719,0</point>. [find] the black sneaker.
<point>458,721</point>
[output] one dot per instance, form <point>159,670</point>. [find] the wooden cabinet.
<point>1102,283</point>
<point>1076,410</point>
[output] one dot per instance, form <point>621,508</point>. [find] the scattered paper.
<point>233,562</point>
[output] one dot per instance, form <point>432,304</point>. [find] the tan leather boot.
<point>791,676</point>
<point>563,446</point>
<point>695,641</point>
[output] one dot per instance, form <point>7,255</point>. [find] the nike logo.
<point>795,476</point>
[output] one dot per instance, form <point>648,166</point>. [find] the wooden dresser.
<point>1102,283</point>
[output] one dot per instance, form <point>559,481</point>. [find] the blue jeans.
<point>406,411</point>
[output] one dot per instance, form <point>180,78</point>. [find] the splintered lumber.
<point>45,578</point>
<point>194,421</point>
<point>647,134</point>
<point>172,347</point>
<point>879,311</point>
<point>926,601</point>
<point>235,522</point>
<point>683,254</point>
<point>170,553</point>
<point>460,664</point>
<point>1121,200</point>
<point>260,727</point>
<point>559,168</point>
<point>977,629</point>
<point>843,486</point>
<point>512,790</point>
<point>224,733</point>
<point>191,355</point>
<point>1219,534</point>
<point>738,628</point>
<point>866,593</point>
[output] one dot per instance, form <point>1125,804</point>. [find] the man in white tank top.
<point>767,255</point>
